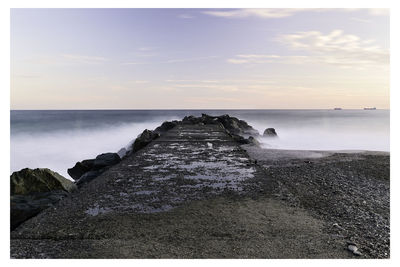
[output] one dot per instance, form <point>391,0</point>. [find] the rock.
<point>89,176</point>
<point>105,160</point>
<point>28,181</point>
<point>143,139</point>
<point>86,170</point>
<point>79,169</point>
<point>270,132</point>
<point>35,190</point>
<point>191,120</point>
<point>24,207</point>
<point>167,125</point>
<point>354,249</point>
<point>231,124</point>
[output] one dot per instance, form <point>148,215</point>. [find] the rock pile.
<point>87,170</point>
<point>35,190</point>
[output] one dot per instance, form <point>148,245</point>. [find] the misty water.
<point>58,139</point>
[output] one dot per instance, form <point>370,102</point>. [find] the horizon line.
<point>148,109</point>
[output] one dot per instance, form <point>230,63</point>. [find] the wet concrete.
<point>187,163</point>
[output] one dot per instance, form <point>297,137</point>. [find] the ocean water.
<point>58,139</point>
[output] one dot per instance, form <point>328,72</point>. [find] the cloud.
<point>169,61</point>
<point>84,59</point>
<point>186,16</point>
<point>379,11</point>
<point>254,12</point>
<point>337,48</point>
<point>140,81</point>
<point>179,60</point>
<point>214,87</point>
<point>361,20</point>
<point>147,48</point>
<point>253,58</point>
<point>274,13</point>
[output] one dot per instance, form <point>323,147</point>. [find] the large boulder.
<point>24,207</point>
<point>270,132</point>
<point>86,170</point>
<point>144,139</point>
<point>80,168</point>
<point>105,160</point>
<point>28,181</point>
<point>167,125</point>
<point>35,190</point>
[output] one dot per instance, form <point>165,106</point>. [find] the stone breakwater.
<point>190,189</point>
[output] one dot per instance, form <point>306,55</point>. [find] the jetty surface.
<point>194,192</point>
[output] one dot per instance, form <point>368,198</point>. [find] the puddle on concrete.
<point>96,210</point>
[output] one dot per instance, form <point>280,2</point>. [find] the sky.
<point>199,58</point>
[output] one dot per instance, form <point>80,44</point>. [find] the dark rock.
<point>89,176</point>
<point>191,120</point>
<point>270,132</point>
<point>78,170</point>
<point>88,163</point>
<point>143,139</point>
<point>167,125</point>
<point>24,207</point>
<point>28,181</point>
<point>105,159</point>
<point>231,124</point>
<point>35,190</point>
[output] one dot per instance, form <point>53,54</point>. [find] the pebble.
<point>354,249</point>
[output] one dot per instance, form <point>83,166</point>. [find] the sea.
<point>57,139</point>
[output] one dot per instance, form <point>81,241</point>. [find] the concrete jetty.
<point>187,163</point>
<point>196,191</point>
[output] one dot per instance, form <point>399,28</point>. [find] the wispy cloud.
<point>254,12</point>
<point>274,13</point>
<point>180,60</point>
<point>186,16</point>
<point>361,20</point>
<point>174,60</point>
<point>147,48</point>
<point>379,11</point>
<point>337,48</point>
<point>84,59</point>
<point>253,58</point>
<point>214,87</point>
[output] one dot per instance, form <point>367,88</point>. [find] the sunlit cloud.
<point>379,11</point>
<point>337,48</point>
<point>254,12</point>
<point>274,13</point>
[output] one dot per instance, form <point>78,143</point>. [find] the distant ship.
<point>374,108</point>
<point>337,109</point>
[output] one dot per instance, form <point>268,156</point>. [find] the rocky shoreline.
<point>203,188</point>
